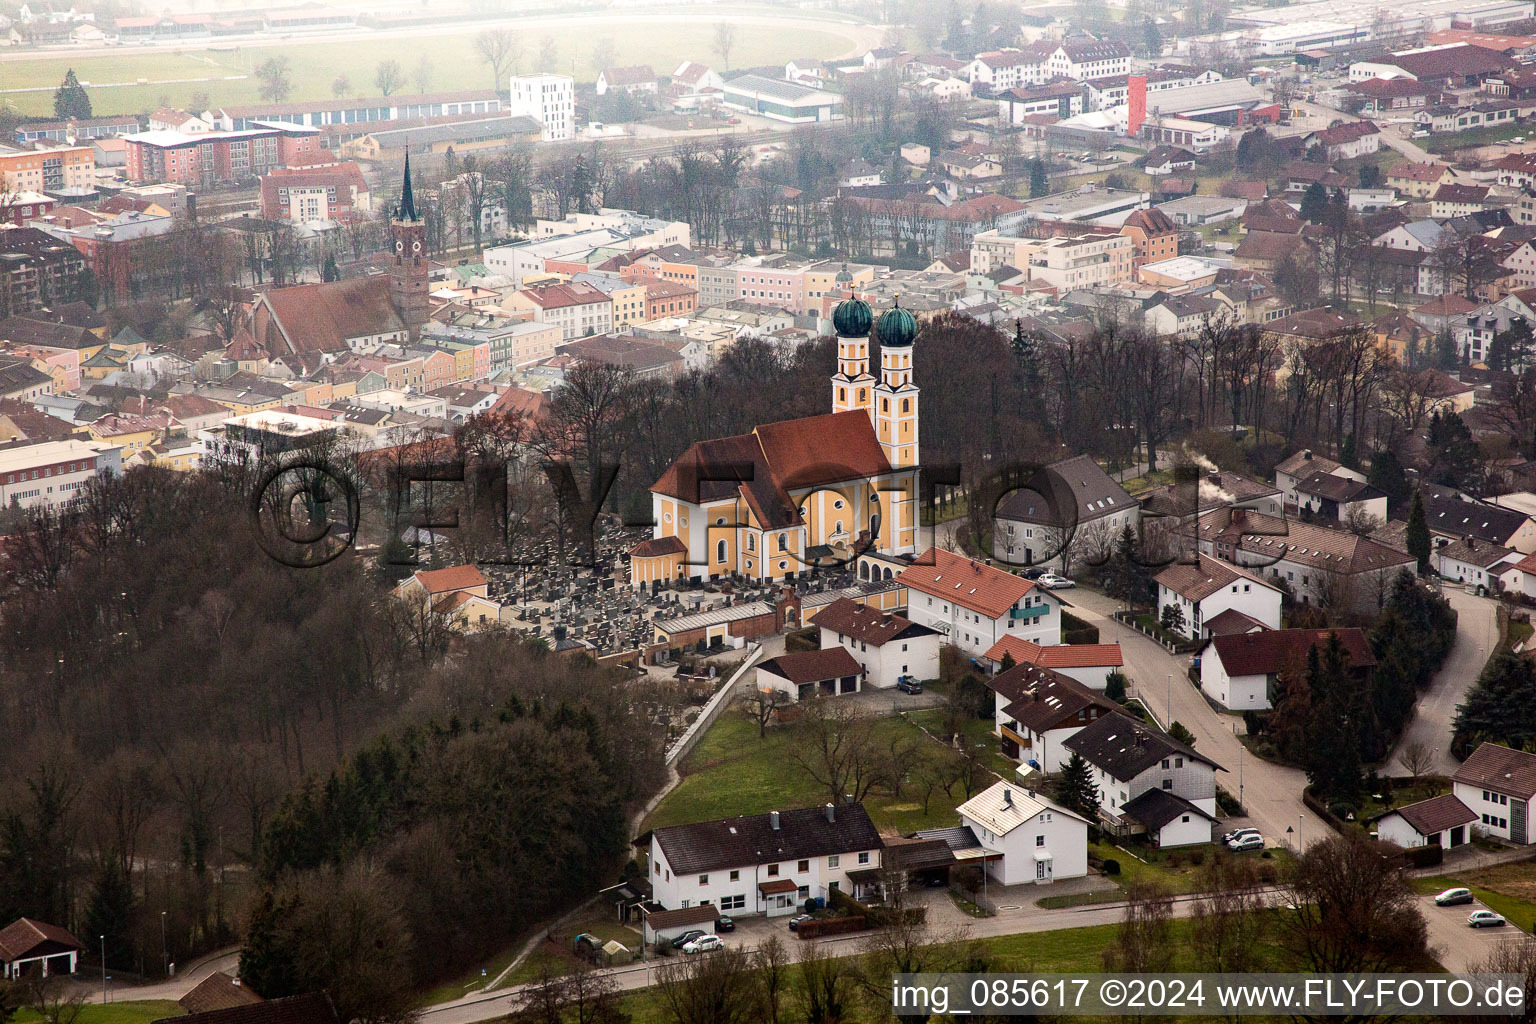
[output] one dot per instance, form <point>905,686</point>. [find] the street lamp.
<point>165,950</point>
<point>1299,819</point>
<point>1170,700</point>
<point>103,968</point>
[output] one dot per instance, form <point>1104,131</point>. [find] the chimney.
<point>1136,104</point>
<point>1031,794</point>
<point>192,207</point>
<point>1007,796</point>
<point>1215,478</point>
<point>773,820</point>
<point>1307,454</point>
<point>831,812</point>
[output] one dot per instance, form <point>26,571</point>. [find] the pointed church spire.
<point>407,209</point>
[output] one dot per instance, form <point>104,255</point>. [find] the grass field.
<point>452,64</point>
<point>733,772</point>
<point>113,1013</point>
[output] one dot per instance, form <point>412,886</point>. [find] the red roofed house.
<point>771,503</point>
<point>1036,708</point>
<point>976,604</point>
<point>1240,671</point>
<point>1441,821</point>
<point>1205,587</point>
<point>1153,234</point>
<point>636,78</point>
<point>808,674</point>
<point>578,309</point>
<point>1089,664</point>
<point>26,942</point>
<point>459,594</point>
<point>1498,784</point>
<point>1348,140</point>
<point>887,647</point>
<point>314,195</point>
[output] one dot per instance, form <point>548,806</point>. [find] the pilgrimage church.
<point>768,504</point>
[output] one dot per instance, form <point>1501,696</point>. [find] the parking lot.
<point>1457,946</point>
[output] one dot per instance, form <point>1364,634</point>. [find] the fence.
<point>718,703</point>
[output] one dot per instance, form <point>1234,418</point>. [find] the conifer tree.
<point>70,99</point>
<point>1076,790</point>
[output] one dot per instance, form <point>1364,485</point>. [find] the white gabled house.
<point>885,646</point>
<point>1301,465</point>
<point>764,863</point>
<point>975,605</point>
<point>1129,759</point>
<point>1036,710</point>
<point>1498,785</point>
<point>1442,821</point>
<point>1240,671</point>
<point>1205,587</point>
<point>805,674</point>
<point>1474,563</point>
<point>1089,664</point>
<point>1040,841</point>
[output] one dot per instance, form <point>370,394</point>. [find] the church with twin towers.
<point>772,503</point>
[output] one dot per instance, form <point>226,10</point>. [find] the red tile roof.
<point>966,582</point>
<point>24,935</point>
<point>658,546</point>
<point>1200,579</point>
<point>1436,814</point>
<point>866,624</point>
<point>321,317</point>
<point>1055,656</point>
<point>445,581</point>
<point>813,666</point>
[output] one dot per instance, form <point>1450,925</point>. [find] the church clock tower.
<point>852,385</point>
<point>408,276</point>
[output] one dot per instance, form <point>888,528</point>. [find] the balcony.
<point>1034,612</point>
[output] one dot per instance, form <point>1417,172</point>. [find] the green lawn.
<point>140,1012</point>
<point>315,66</point>
<point>1174,870</point>
<point>733,772</point>
<point>471,979</point>
<point>1473,137</point>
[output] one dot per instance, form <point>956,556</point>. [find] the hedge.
<point>816,927</point>
<point>1075,631</point>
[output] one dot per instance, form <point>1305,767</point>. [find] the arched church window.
<point>719,550</point>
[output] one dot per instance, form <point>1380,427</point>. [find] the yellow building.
<point>131,433</point>
<point>821,487</point>
<point>628,304</point>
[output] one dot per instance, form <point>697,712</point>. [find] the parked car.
<point>687,937</point>
<point>1050,581</point>
<point>906,684</point>
<point>1451,897</point>
<point>704,944</point>
<point>794,922</point>
<point>1485,919</point>
<point>724,924</point>
<point>1034,572</point>
<point>1248,842</point>
<point>1238,833</point>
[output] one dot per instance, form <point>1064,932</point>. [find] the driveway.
<point>1270,793</point>
<point>1477,633</point>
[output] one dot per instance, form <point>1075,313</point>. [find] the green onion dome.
<point>896,328</point>
<point>852,318</point>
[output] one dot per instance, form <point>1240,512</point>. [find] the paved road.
<point>1271,793</point>
<point>1459,947</point>
<point>172,989</point>
<point>1476,636</point>
<point>1391,135</point>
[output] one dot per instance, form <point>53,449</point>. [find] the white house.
<point>1069,511</point>
<point>1498,784</point>
<point>976,605</point>
<point>1128,759</point>
<point>1036,710</point>
<point>1442,821</point>
<point>1303,464</point>
<point>1520,578</point>
<point>1338,497</point>
<point>885,646</point>
<point>1474,563</point>
<point>549,100</point>
<point>1240,671</point>
<point>1089,664</point>
<point>1205,587</point>
<point>806,674</point>
<point>636,78</point>
<point>1040,841</point>
<point>762,863</point>
<point>1455,519</point>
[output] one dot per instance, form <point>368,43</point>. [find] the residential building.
<point>976,605</point>
<point>634,79</point>
<point>1154,236</point>
<point>1455,519</point>
<point>1185,316</point>
<point>1498,784</point>
<point>1205,587</point>
<point>1069,511</point>
<point>314,195</point>
<point>37,270</point>
<point>1086,262</point>
<point>1417,180</point>
<point>887,647</point>
<point>1339,498</point>
<point>579,310</point>
<point>511,342</point>
<point>548,99</point>
<point>1348,141</point>
<point>1039,841</point>
<point>1458,200</point>
<point>1301,465</point>
<point>254,438</point>
<point>203,158</point>
<point>1089,664</point>
<point>1148,782</point>
<point>1241,671</point>
<point>669,298</point>
<point>47,168</point>
<point>763,863</point>
<point>1474,564</point>
<point>1036,708</point>
<point>53,473</point>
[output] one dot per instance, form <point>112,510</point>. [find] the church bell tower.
<point>408,274</point>
<point>852,385</point>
